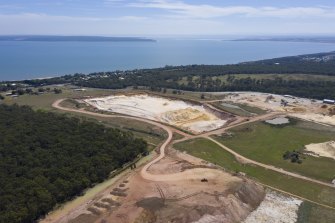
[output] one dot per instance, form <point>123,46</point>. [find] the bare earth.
<point>176,187</point>
<point>194,118</point>
<point>312,110</point>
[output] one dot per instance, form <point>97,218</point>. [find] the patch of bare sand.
<point>179,113</point>
<point>184,199</point>
<point>275,208</point>
<point>326,149</point>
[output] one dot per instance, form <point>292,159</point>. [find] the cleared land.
<point>178,113</point>
<point>159,200</point>
<point>267,143</point>
<point>211,152</point>
<point>168,196</point>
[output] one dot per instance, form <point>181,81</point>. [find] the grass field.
<point>211,152</point>
<point>313,213</point>
<point>267,144</point>
<point>239,109</point>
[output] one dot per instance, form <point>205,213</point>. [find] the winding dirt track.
<point>196,173</point>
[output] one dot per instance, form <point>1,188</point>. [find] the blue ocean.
<point>26,60</point>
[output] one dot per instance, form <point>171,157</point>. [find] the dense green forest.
<point>207,77</point>
<point>47,158</point>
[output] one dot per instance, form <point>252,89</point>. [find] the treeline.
<point>301,88</point>
<point>47,158</point>
<point>172,76</point>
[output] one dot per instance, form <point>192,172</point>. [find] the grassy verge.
<point>267,144</point>
<point>238,109</point>
<point>313,213</point>
<point>211,152</point>
<point>177,136</point>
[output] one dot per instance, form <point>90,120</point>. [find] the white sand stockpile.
<point>174,112</point>
<point>275,208</point>
<point>326,149</point>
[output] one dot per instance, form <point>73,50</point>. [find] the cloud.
<point>172,17</point>
<point>41,16</point>
<point>179,8</point>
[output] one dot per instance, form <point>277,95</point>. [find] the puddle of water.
<point>278,121</point>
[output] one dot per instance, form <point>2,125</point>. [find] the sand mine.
<point>194,118</point>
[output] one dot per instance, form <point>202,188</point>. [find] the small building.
<point>8,94</point>
<point>328,101</point>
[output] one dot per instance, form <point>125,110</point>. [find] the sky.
<point>167,17</point>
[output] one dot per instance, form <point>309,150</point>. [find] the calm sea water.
<point>25,60</point>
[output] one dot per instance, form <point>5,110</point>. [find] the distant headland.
<point>45,38</point>
<point>328,39</point>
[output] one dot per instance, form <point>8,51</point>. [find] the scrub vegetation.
<point>48,158</point>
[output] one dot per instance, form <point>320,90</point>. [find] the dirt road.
<point>194,173</point>
<point>279,170</point>
<point>145,177</point>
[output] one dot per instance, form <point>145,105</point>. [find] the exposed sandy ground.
<point>326,149</point>
<point>134,199</point>
<point>313,110</point>
<point>275,208</point>
<point>174,112</point>
<point>188,200</point>
<point>170,188</point>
